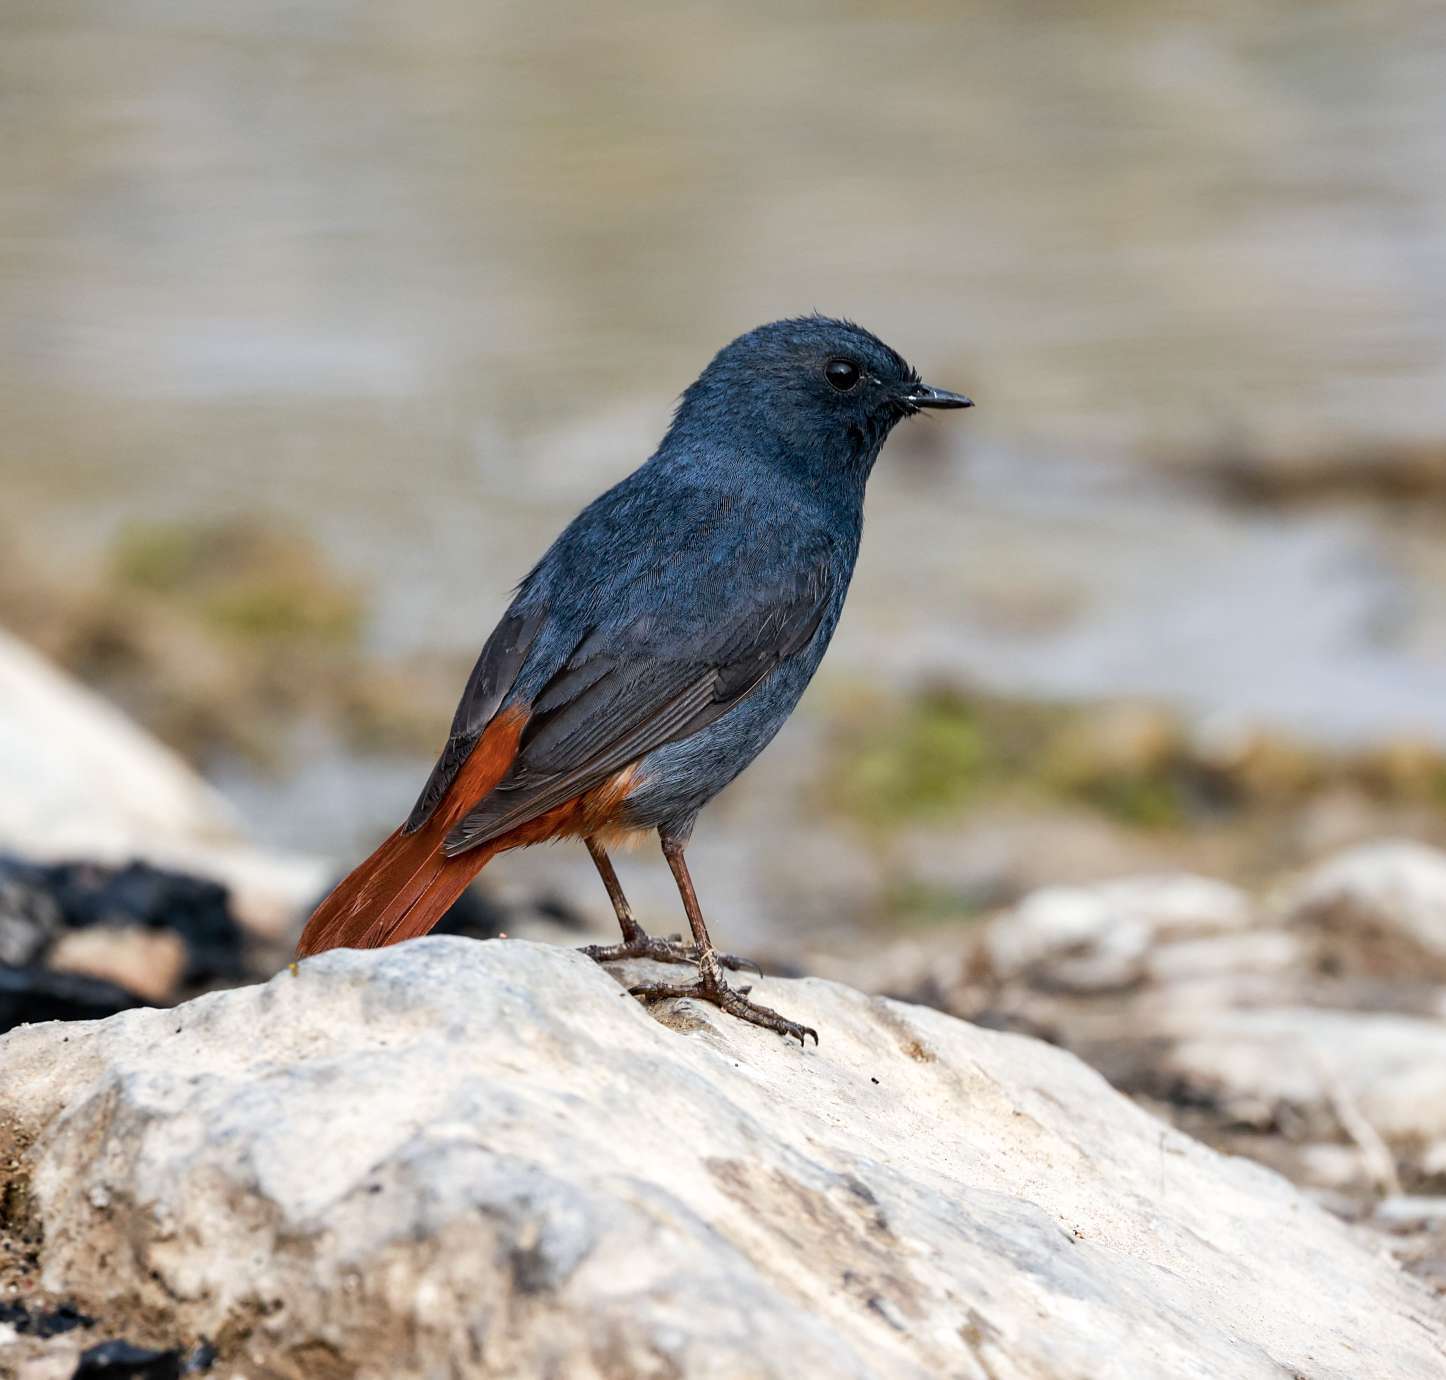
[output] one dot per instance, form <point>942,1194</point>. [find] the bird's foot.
<point>712,986</point>
<point>641,944</point>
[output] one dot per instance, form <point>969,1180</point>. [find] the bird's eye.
<point>842,374</point>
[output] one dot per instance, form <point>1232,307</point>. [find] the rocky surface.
<point>128,781</point>
<point>455,1157</point>
<point>83,781</point>
<point>79,933</point>
<point>1377,910</point>
<point>1305,1027</point>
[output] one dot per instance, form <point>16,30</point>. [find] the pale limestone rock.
<point>82,781</point>
<point>1379,908</point>
<point>1176,991</point>
<point>1101,937</point>
<point>1318,1064</point>
<point>73,763</point>
<point>483,1159</point>
<point>145,961</point>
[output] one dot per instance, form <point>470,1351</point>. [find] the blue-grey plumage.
<point>668,633</point>
<point>733,577</point>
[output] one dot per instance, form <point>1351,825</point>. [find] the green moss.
<point>241,580</point>
<point>404,710</point>
<point>282,607</point>
<point>1143,801</point>
<point>159,557</point>
<point>932,755</point>
<point>913,902</point>
<point>929,760</point>
<point>935,755</point>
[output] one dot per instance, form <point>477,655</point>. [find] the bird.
<point>656,648</point>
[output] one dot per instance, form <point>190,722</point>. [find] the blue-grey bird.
<point>658,646</point>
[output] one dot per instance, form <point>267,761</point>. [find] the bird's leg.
<point>637,942</point>
<point>712,985</point>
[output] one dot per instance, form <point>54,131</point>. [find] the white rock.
<point>1405,1210</point>
<point>1391,1069</point>
<point>72,763</point>
<point>481,1159</point>
<point>80,780</point>
<point>1253,954</point>
<point>1386,901</point>
<point>1091,938</point>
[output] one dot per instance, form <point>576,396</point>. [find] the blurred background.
<point>317,320</point>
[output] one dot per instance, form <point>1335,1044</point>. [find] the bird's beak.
<point>921,395</point>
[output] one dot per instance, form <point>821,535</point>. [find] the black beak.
<point>921,395</point>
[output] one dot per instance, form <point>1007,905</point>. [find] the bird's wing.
<point>492,677</point>
<point>625,691</point>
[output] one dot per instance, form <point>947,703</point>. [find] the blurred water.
<point>1051,576</point>
<point>424,278</point>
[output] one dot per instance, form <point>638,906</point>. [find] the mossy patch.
<point>931,756</point>
<point>928,759</point>
<point>936,755</point>
<point>910,901</point>
<point>223,638</point>
<point>241,579</point>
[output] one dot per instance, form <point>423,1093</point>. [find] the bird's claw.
<point>711,987</point>
<point>670,950</point>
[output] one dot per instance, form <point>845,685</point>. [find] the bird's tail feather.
<point>398,893</point>
<point>409,883</point>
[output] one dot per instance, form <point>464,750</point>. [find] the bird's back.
<point>673,550</point>
<point>674,584</point>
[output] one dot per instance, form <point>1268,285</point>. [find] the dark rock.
<point>41,1323</point>
<point>86,894</point>
<point>477,914</point>
<point>28,995</point>
<point>30,917</point>
<point>121,1360</point>
<point>474,915</point>
<point>561,912</point>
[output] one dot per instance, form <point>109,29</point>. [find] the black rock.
<point>30,917</point>
<point>121,1360</point>
<point>477,915</point>
<point>561,912</point>
<point>87,894</point>
<point>40,1323</point>
<point>202,1358</point>
<point>474,915</point>
<point>37,994</point>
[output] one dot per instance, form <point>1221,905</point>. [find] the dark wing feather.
<point>487,687</point>
<point>620,696</point>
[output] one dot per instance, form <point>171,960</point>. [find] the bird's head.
<point>813,392</point>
